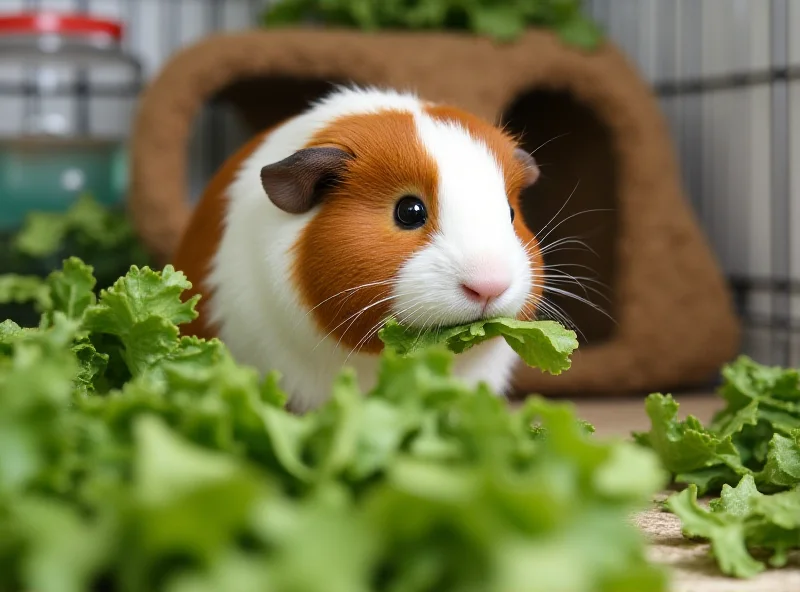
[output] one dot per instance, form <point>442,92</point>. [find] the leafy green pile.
<point>86,222</point>
<point>132,458</point>
<point>753,443</point>
<point>502,20</point>
<point>100,235</point>
<point>742,519</point>
<point>542,344</point>
<point>87,230</point>
<point>757,432</point>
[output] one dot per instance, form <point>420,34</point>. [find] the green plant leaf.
<point>71,288</point>
<point>725,531</point>
<point>41,235</point>
<point>143,310</point>
<point>64,549</point>
<point>501,20</point>
<point>753,442</point>
<point>137,459</point>
<point>16,288</point>
<point>580,32</point>
<point>686,448</point>
<point>754,433</point>
<point>541,344</point>
<point>503,23</point>
<point>142,294</point>
<point>741,519</point>
<point>174,483</point>
<point>287,12</point>
<point>9,331</point>
<point>782,468</point>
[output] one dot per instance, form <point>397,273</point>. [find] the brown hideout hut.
<point>595,126</point>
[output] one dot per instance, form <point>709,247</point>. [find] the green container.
<point>67,93</point>
<point>68,89</point>
<point>50,174</point>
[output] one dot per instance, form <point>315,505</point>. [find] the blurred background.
<point>726,73</point>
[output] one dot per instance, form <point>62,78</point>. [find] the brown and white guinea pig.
<point>371,203</point>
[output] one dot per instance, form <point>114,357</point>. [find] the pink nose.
<point>485,289</point>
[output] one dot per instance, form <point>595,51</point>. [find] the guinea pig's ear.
<point>529,164</point>
<point>294,184</point>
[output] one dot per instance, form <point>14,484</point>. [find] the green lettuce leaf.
<point>64,548</point>
<point>134,458</point>
<point>542,344</point>
<point>9,332</point>
<point>753,442</point>
<point>36,383</point>
<point>755,433</point>
<point>174,482</point>
<point>72,288</point>
<point>142,311</point>
<point>689,451</point>
<point>17,289</point>
<point>726,532</point>
<point>90,222</point>
<point>782,468</point>
<point>501,20</point>
<point>741,520</point>
<point>140,295</point>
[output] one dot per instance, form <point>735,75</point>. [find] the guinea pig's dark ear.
<point>529,164</point>
<point>295,183</point>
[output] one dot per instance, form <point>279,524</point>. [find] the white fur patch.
<point>259,313</point>
<point>476,237</point>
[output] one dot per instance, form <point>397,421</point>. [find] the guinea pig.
<point>370,204</point>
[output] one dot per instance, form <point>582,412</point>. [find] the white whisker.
<point>375,329</point>
<point>560,276</point>
<point>595,210</point>
<point>356,315</point>
<point>564,205</point>
<point>559,265</point>
<point>565,249</point>
<point>587,289</point>
<point>545,143</point>
<point>554,312</point>
<point>567,240</point>
<point>346,291</point>
<point>571,279</point>
<point>581,299</point>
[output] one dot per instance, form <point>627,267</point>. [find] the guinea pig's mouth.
<point>486,315</point>
<point>492,311</point>
<point>439,299</point>
<point>437,318</point>
<point>478,309</point>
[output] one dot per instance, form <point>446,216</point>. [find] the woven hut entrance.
<point>572,208</point>
<point>595,128</point>
<point>264,101</point>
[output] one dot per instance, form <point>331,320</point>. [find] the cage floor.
<point>692,569</point>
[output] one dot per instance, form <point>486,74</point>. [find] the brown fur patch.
<point>502,145</point>
<point>353,240</point>
<point>202,237</point>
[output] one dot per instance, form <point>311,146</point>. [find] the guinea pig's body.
<point>369,204</point>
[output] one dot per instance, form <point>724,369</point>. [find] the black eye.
<point>512,212</point>
<point>410,212</point>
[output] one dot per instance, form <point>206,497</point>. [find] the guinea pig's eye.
<point>512,212</point>
<point>410,212</point>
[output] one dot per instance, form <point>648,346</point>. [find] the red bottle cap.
<point>60,23</point>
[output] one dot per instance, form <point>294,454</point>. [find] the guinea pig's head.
<point>414,215</point>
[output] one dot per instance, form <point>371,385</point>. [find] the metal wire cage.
<point>726,74</point>
<point>725,71</point>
